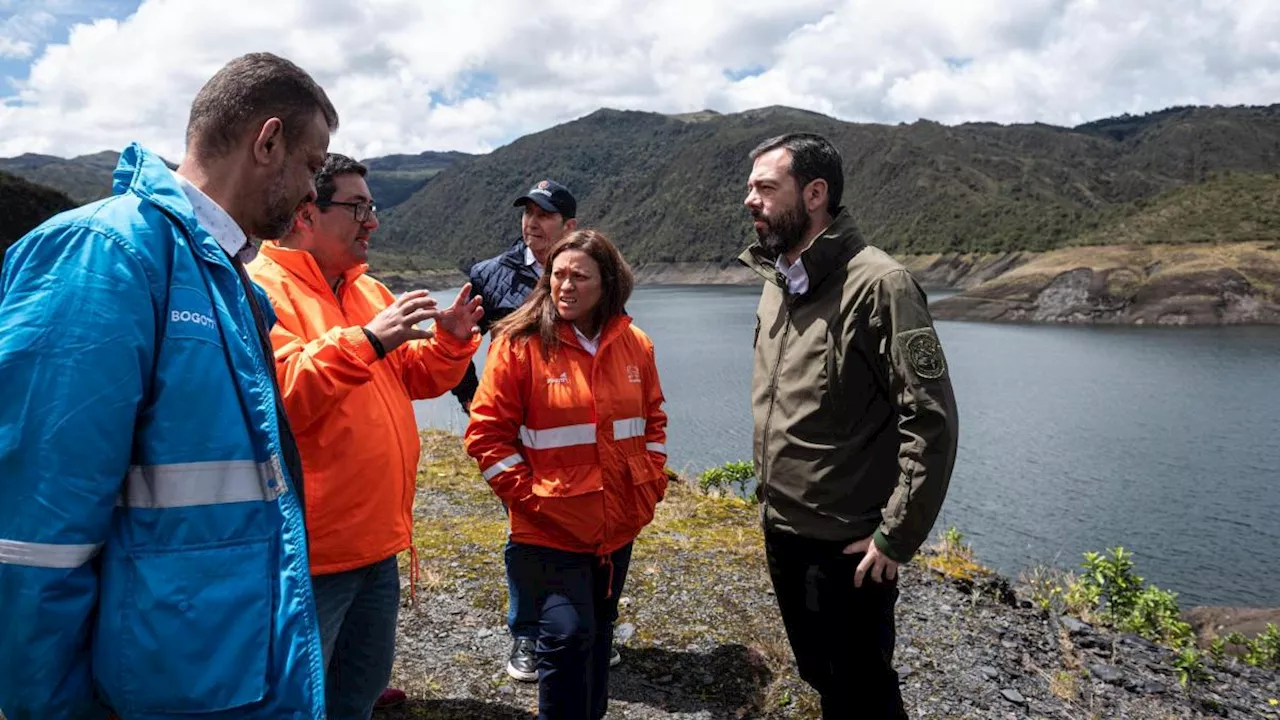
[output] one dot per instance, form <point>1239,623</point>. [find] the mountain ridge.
<point>669,189</point>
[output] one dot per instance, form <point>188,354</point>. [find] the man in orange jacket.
<point>351,360</point>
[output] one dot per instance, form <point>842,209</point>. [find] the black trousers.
<point>842,636</point>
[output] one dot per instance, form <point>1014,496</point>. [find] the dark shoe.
<point>391,697</point>
<point>615,658</point>
<point>523,664</point>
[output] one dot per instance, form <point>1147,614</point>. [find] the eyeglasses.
<point>361,210</point>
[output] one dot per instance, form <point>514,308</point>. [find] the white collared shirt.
<point>797,277</point>
<point>218,223</point>
<point>531,260</point>
<point>588,344</point>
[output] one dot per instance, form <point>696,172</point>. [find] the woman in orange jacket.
<point>567,427</point>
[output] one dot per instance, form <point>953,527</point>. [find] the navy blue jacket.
<point>503,282</point>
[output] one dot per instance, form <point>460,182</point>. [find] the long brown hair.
<point>538,316</point>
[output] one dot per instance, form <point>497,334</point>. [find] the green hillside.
<point>84,179</point>
<point>670,188</point>
<point>24,205</point>
<point>394,178</point>
<point>1226,207</point>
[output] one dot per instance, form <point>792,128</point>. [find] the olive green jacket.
<point>855,418</point>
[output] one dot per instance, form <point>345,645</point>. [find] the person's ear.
<point>269,142</point>
<point>815,195</point>
<point>571,224</point>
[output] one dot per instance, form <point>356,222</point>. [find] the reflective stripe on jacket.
<point>352,413</point>
<point>574,445</point>
<point>153,557</point>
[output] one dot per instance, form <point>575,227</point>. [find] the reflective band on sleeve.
<point>558,437</point>
<point>656,447</point>
<point>629,428</point>
<point>46,555</point>
<point>202,483</point>
<point>502,466</point>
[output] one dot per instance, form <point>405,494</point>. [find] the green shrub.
<point>730,477</point>
<point>1190,666</point>
<point>1264,650</point>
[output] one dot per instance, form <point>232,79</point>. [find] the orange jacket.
<point>352,413</point>
<point>574,445</point>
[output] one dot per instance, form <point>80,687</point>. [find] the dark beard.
<point>278,216</point>
<point>785,231</point>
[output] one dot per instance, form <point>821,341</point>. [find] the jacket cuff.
<point>354,340</point>
<point>456,348</point>
<point>893,549</point>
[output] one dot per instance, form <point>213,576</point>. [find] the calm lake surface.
<point>1165,441</point>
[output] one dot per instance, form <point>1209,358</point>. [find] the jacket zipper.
<point>767,463</point>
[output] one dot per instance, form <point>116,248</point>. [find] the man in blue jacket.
<point>153,559</point>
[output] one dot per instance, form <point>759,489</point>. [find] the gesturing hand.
<point>460,319</point>
<point>398,321</point>
<point>882,566</point>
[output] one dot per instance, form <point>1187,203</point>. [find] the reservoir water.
<point>1163,440</point>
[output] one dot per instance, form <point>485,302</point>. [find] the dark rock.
<point>1074,626</point>
<point>1107,674</point>
<point>1153,687</point>
<point>1091,641</point>
<point>1014,697</point>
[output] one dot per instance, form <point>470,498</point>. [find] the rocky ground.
<point>701,637</point>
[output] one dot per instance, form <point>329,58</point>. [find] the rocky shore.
<point>1228,284</point>
<point>701,638</point>
<point>1223,284</point>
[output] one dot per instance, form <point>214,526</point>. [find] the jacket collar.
<point>514,255</point>
<point>612,329</point>
<point>302,265</point>
<point>143,173</point>
<point>830,250</point>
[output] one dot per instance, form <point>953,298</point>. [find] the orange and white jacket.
<point>574,445</point>
<point>352,413</point>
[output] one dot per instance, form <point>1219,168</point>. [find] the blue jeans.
<point>575,624</point>
<point>357,611</point>
<point>522,612</point>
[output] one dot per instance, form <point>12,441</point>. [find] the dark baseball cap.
<point>552,197</point>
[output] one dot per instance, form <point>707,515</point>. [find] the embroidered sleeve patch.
<point>923,352</point>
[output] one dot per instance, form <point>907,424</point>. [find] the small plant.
<point>952,557</point>
<point>732,477</point>
<point>1218,649</point>
<point>1264,650</point>
<point>1189,666</point>
<point>1065,685</point>
<point>1048,586</point>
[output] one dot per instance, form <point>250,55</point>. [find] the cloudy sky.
<point>80,76</point>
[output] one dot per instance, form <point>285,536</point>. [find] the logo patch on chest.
<point>633,374</point>
<point>562,379</point>
<point>191,316</point>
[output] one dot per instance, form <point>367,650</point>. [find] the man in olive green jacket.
<point>855,424</point>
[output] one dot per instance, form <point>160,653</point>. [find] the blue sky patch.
<point>745,72</point>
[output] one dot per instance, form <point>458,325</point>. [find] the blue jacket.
<point>153,558</point>
<point>503,282</point>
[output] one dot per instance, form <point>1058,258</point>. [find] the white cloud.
<point>409,76</point>
<point>22,31</point>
